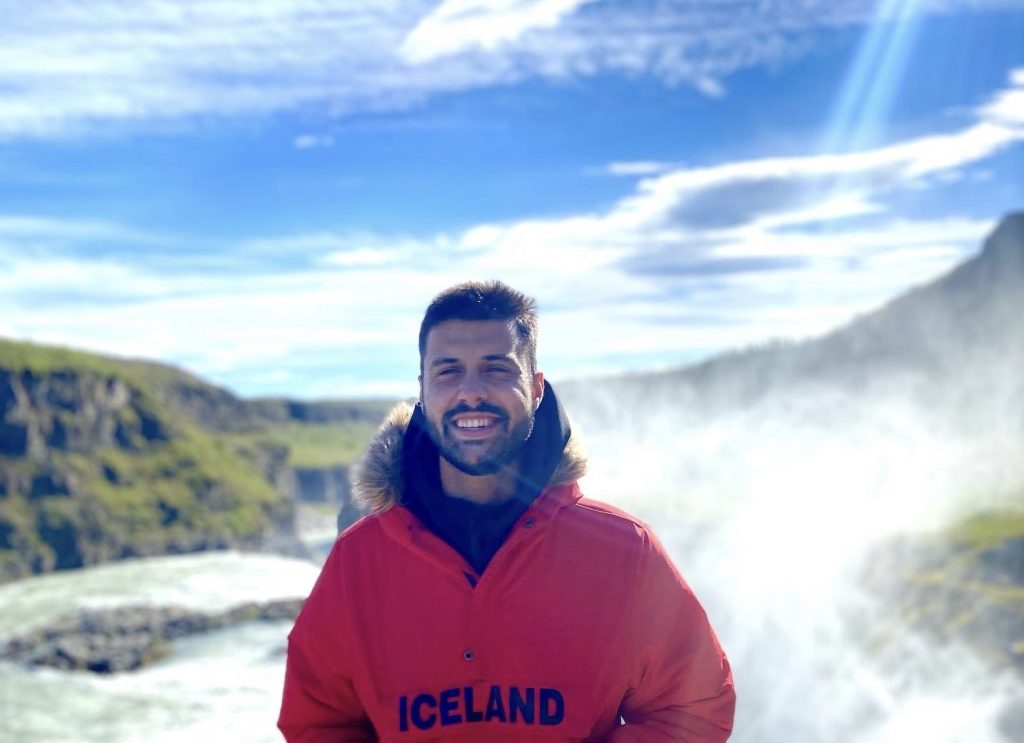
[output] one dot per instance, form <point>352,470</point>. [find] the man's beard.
<point>504,450</point>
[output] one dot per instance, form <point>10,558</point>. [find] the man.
<point>484,598</point>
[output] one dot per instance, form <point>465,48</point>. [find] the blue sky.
<point>269,193</point>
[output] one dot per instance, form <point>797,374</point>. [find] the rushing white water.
<point>772,513</point>
<point>224,685</point>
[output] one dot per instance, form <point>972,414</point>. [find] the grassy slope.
<point>312,445</point>
<point>968,587</point>
<point>197,487</point>
<point>24,356</point>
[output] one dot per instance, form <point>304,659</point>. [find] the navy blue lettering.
<point>512,704</point>
<point>423,700</point>
<point>403,713</point>
<point>495,705</point>
<point>516,704</point>
<point>471,714</point>
<point>449,705</point>
<point>552,707</point>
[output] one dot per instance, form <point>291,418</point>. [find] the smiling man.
<point>483,597</point>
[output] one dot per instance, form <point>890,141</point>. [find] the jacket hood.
<point>377,480</point>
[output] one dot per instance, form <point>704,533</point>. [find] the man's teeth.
<point>472,423</point>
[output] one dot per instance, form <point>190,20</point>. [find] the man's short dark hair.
<point>485,300</point>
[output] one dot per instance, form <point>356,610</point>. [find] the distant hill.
<point>104,458</point>
<point>962,332</point>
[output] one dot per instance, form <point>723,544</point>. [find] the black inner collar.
<point>477,530</point>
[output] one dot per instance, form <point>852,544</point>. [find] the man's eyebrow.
<point>500,357</point>
<point>444,360</point>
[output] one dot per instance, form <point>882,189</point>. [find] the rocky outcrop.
<point>954,591</point>
<point>127,638</point>
<point>327,487</point>
<point>323,485</point>
<point>93,467</point>
<point>71,411</point>
<point>104,458</point>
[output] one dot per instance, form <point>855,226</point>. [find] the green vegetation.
<point>965,585</point>
<point>312,445</point>
<point>19,356</point>
<point>103,458</point>
<point>989,529</point>
<point>198,482</point>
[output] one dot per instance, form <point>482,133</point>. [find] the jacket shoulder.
<point>610,514</point>
<point>605,523</point>
<point>365,530</point>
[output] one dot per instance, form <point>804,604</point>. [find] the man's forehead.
<point>475,337</point>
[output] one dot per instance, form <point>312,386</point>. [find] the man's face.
<point>478,394</point>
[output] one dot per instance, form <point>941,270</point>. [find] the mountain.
<point>104,458</point>
<point>927,340</point>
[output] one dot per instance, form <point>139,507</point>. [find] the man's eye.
<point>447,372</point>
<point>499,369</point>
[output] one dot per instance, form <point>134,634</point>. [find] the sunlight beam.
<point>866,99</point>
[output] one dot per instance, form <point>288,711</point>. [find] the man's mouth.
<point>475,422</point>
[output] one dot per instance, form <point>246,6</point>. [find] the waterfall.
<point>773,514</point>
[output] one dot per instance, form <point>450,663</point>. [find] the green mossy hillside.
<point>964,585</point>
<point>309,445</point>
<point>104,458</point>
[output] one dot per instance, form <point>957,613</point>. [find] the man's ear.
<point>538,389</point>
<point>420,400</point>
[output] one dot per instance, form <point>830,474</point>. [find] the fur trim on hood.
<point>377,479</point>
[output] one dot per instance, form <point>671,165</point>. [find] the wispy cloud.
<point>80,230</point>
<point>457,25</point>
<point>74,67</point>
<point>1007,108</point>
<point>313,141</point>
<point>636,167</point>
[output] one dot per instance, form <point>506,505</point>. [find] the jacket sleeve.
<point>682,690</point>
<point>320,703</point>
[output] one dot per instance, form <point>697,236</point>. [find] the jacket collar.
<point>377,480</point>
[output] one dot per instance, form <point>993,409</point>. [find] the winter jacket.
<point>578,624</point>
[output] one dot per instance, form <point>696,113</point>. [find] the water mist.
<point>773,513</point>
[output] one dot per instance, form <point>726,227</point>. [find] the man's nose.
<point>472,391</point>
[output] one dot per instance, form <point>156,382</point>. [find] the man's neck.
<point>494,488</point>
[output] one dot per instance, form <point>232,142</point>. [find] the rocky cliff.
<point>104,458</point>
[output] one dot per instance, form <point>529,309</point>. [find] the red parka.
<point>580,623</point>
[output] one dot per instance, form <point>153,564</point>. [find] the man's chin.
<point>485,469</point>
<point>477,465</point>
<point>477,468</point>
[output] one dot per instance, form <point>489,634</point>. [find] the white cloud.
<point>1007,108</point>
<point>710,87</point>
<point>636,167</point>
<point>47,229</point>
<point>459,25</point>
<point>363,257</point>
<point>800,189</point>
<point>312,141</point>
<point>74,67</point>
